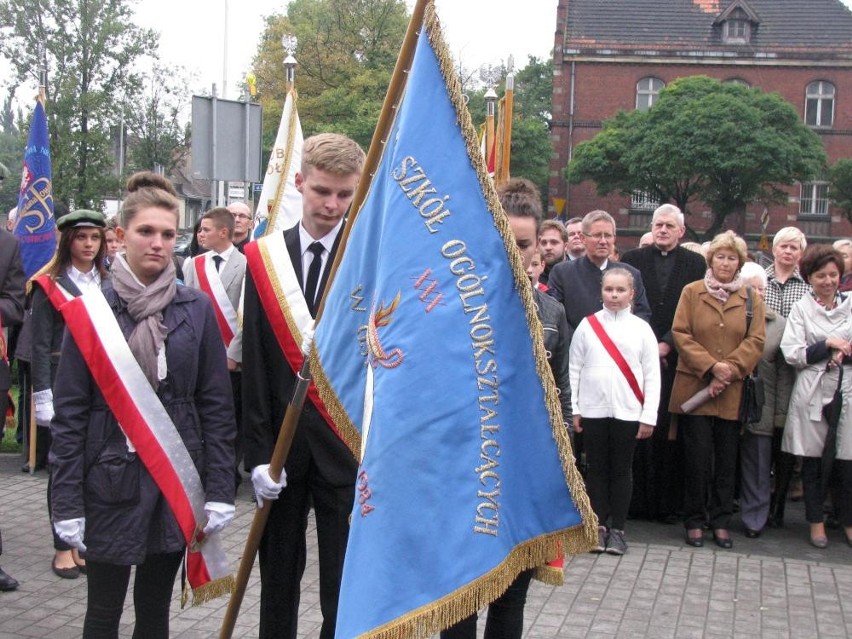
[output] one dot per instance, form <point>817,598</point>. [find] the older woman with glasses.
<point>715,342</point>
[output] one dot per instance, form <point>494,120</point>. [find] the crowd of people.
<point>650,352</point>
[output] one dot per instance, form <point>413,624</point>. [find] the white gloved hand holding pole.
<point>43,401</point>
<point>264,486</point>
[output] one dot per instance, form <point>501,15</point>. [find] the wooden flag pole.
<point>508,106</point>
<point>294,408</point>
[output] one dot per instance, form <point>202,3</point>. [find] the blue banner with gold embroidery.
<point>426,358</point>
<point>35,226</point>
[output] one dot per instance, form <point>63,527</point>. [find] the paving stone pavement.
<point>776,586</point>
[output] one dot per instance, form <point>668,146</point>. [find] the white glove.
<point>264,486</point>
<point>307,338</point>
<point>43,401</point>
<point>219,515</point>
<point>72,531</point>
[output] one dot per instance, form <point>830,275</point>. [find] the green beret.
<point>81,217</point>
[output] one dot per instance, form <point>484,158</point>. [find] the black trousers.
<point>152,595</point>
<point>237,390</point>
<point>710,446</point>
<point>812,487</point>
<point>505,614</point>
<point>658,464</point>
<point>283,548</point>
<point>782,467</point>
<point>609,479</point>
<point>58,544</point>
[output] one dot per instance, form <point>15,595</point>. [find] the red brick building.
<point>613,55</point>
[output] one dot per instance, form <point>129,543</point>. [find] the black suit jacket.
<point>688,267</point>
<point>11,297</point>
<point>268,383</point>
<point>577,284</point>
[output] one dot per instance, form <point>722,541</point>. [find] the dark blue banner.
<point>35,227</point>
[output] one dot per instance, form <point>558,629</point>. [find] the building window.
<point>643,201</point>
<point>814,199</point>
<point>819,104</point>
<point>647,92</point>
<point>737,81</point>
<point>737,28</point>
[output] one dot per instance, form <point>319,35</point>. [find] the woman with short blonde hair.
<point>715,341</point>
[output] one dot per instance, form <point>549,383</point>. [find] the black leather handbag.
<point>753,397</point>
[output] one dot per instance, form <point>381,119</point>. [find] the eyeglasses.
<point>241,216</point>
<point>600,236</point>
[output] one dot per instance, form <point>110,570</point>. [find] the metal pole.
<point>248,146</point>
<point>213,189</point>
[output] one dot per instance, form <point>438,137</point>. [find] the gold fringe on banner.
<point>550,575</point>
<point>208,592</point>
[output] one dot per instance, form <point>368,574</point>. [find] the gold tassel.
<point>207,592</point>
<point>550,575</point>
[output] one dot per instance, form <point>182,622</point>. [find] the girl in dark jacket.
<point>77,266</point>
<point>106,499</point>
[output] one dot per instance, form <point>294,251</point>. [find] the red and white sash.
<point>149,428</point>
<point>617,357</point>
<point>284,304</point>
<point>56,293</point>
<point>210,282</point>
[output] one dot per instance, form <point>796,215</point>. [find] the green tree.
<point>724,144</point>
<point>156,125</point>
<point>90,47</point>
<point>531,144</point>
<point>346,53</point>
<point>11,155</point>
<point>840,189</point>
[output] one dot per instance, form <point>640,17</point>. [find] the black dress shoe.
<point>751,533</point>
<point>7,583</point>
<point>696,541</point>
<point>723,541</point>
<point>66,573</point>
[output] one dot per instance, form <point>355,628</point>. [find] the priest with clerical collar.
<point>666,267</point>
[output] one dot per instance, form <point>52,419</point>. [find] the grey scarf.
<point>145,305</point>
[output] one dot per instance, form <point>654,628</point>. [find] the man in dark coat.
<point>11,314</point>
<point>666,268</point>
<point>320,470</point>
<point>577,283</point>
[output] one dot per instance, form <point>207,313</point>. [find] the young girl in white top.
<point>615,390</point>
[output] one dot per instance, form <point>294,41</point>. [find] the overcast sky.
<point>184,25</point>
<point>478,31</point>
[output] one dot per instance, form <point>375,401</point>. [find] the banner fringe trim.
<point>207,592</point>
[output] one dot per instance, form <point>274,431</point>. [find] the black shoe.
<point>723,542</point>
<point>66,573</point>
<point>751,533</point>
<point>7,583</point>
<point>694,537</point>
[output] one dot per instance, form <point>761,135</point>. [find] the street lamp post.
<point>289,42</point>
<point>490,76</point>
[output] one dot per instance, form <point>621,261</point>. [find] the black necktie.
<point>217,260</point>
<point>313,275</point>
